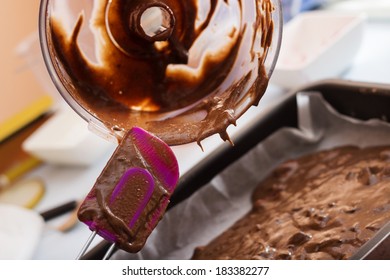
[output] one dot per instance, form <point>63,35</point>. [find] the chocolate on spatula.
<point>132,192</point>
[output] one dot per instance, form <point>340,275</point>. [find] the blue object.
<point>291,8</point>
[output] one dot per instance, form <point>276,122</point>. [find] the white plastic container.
<point>317,45</point>
<point>65,140</point>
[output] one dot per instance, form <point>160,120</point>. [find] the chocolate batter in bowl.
<point>183,70</point>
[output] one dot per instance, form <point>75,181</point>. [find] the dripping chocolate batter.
<point>137,81</point>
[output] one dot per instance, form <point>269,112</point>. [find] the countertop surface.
<point>64,184</point>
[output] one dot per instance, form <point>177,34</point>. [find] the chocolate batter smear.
<point>148,73</point>
<point>321,206</point>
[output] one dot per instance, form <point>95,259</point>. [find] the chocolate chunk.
<point>299,238</point>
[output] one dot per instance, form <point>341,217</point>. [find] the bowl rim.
<point>99,126</point>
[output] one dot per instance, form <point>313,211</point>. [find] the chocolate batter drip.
<point>134,84</point>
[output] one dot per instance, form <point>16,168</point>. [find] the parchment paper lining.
<point>217,205</point>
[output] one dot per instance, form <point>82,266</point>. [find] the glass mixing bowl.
<point>183,70</point>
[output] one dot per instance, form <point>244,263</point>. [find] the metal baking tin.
<point>355,99</point>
